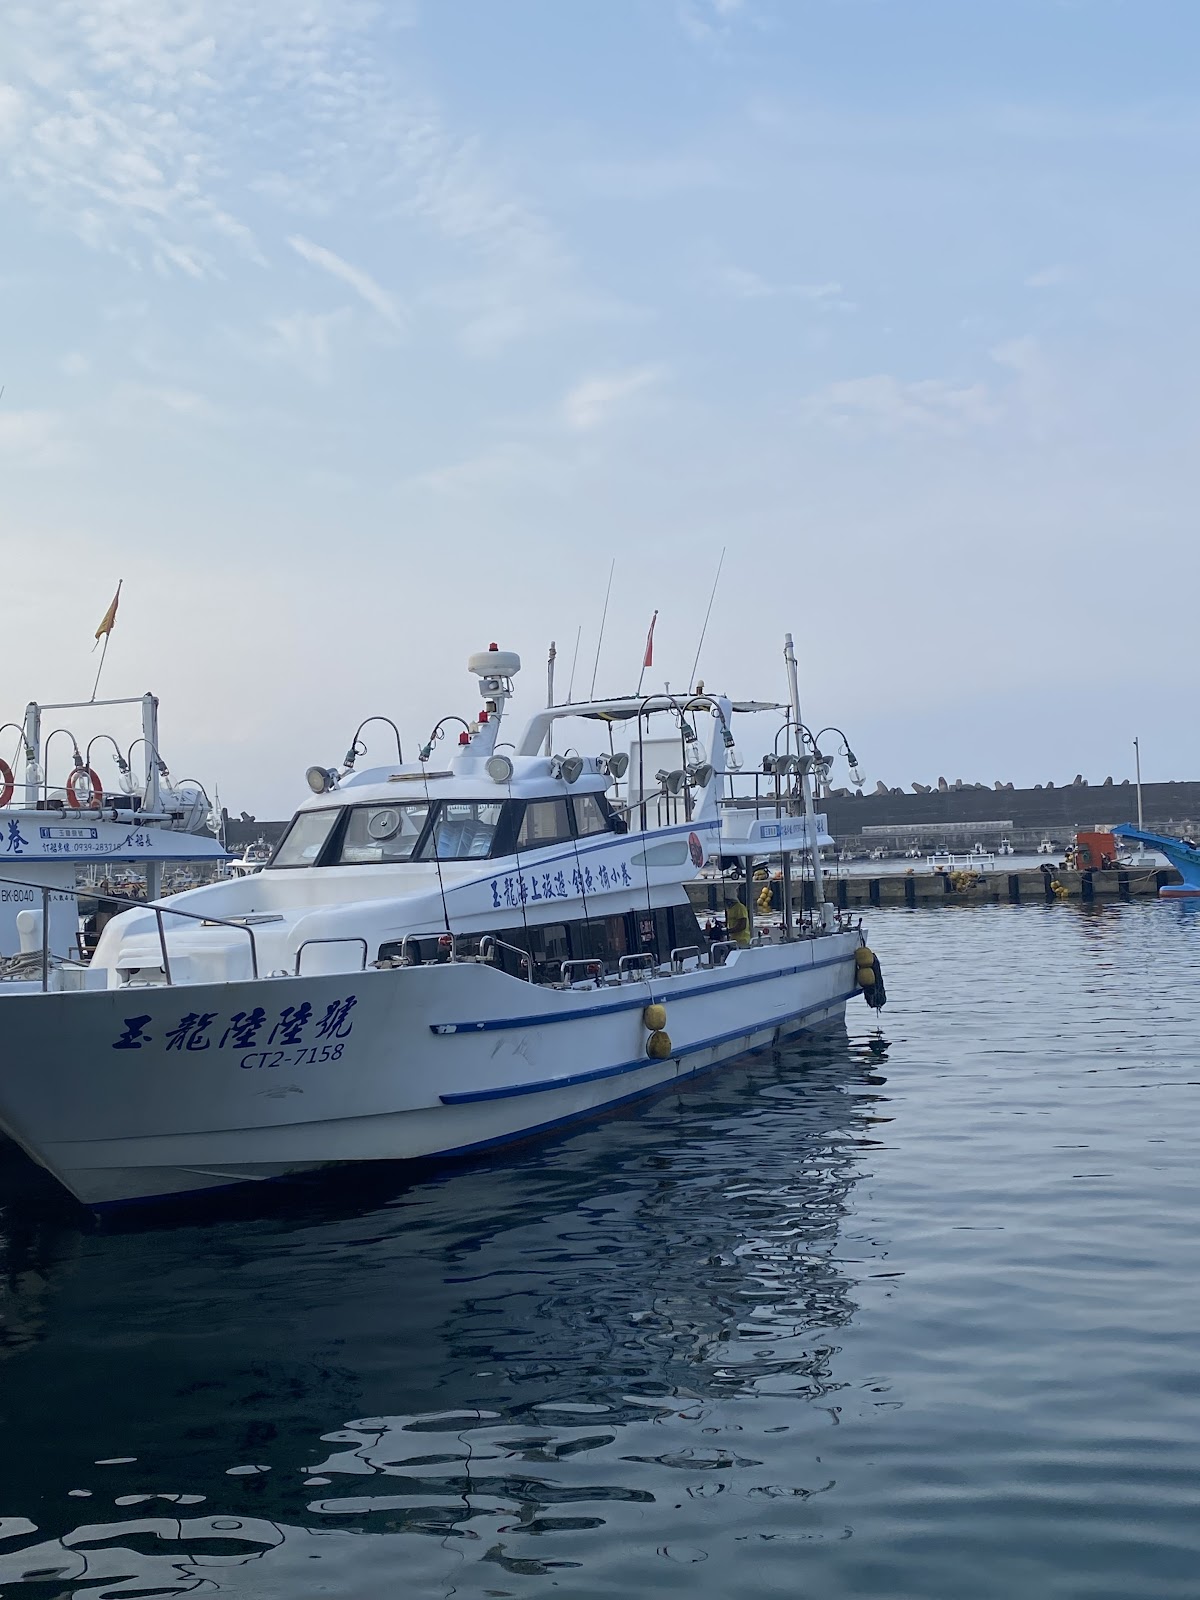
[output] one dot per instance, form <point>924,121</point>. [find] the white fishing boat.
<point>252,859</point>
<point>54,834</point>
<point>440,957</point>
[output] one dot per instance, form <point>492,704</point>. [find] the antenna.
<point>707,614</point>
<point>549,689</point>
<point>603,620</point>
<point>574,659</point>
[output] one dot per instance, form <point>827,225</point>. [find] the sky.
<point>353,336</point>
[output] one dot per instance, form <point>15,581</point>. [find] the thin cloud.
<point>706,22</point>
<point>306,340</point>
<point>887,404</point>
<point>746,285</point>
<point>596,401</point>
<point>654,176</point>
<point>363,284</point>
<point>1053,277</point>
<point>32,438</point>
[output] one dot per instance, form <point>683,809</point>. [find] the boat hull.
<point>145,1093</point>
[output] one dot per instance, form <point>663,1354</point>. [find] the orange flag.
<point>110,616</point>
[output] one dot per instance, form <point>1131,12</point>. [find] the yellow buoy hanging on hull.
<point>654,1017</point>
<point>864,957</point>
<point>658,1045</point>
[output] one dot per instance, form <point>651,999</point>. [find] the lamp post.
<point>856,776</point>
<point>1137,757</point>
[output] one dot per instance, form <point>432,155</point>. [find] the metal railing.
<point>592,966</point>
<point>489,942</point>
<point>345,938</point>
<point>410,949</point>
<point>684,953</point>
<point>642,958</point>
<point>159,911</point>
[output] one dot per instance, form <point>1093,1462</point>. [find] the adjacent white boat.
<point>252,859</point>
<point>434,961</point>
<point>50,833</point>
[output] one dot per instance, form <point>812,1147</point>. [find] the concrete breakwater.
<point>1022,886</point>
<point>958,818</point>
<point>1028,885</point>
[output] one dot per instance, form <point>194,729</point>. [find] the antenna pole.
<point>823,910</point>
<point>707,614</point>
<point>1137,756</point>
<point>603,620</point>
<point>574,659</point>
<point>550,690</point>
<point>100,668</point>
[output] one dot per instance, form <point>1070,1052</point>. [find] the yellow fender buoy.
<point>654,1017</point>
<point>658,1045</point>
<point>864,957</point>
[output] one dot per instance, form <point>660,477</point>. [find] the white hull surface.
<point>147,1092</point>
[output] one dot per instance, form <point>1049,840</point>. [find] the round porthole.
<point>383,824</point>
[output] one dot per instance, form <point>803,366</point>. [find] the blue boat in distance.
<point>1181,853</point>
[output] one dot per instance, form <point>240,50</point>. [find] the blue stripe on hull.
<point>578,1013</point>
<point>509,1091</point>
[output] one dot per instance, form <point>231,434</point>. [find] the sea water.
<point>916,1320</point>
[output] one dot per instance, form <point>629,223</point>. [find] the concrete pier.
<point>1023,886</point>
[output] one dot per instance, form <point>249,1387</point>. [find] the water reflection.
<point>480,1380</point>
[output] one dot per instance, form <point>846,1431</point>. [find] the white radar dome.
<point>494,663</point>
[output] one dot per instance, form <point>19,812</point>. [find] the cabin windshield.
<point>304,841</point>
<point>383,833</point>
<point>462,830</point>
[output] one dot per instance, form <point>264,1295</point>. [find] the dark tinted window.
<point>545,822</point>
<point>652,930</point>
<point>603,938</point>
<point>685,928</point>
<point>548,944</point>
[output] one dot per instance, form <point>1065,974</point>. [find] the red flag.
<point>648,658</point>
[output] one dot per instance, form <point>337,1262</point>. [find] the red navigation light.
<point>464,737</point>
<point>493,647</point>
<point>483,716</point>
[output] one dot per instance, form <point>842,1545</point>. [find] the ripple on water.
<point>823,1324</point>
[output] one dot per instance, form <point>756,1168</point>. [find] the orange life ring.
<point>96,794</point>
<point>6,783</point>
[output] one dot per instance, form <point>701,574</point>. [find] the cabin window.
<point>548,944</point>
<point>307,837</point>
<point>653,931</point>
<point>685,929</point>
<point>383,833</point>
<point>590,814</point>
<point>603,938</point>
<point>462,830</point>
<point>545,822</point>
